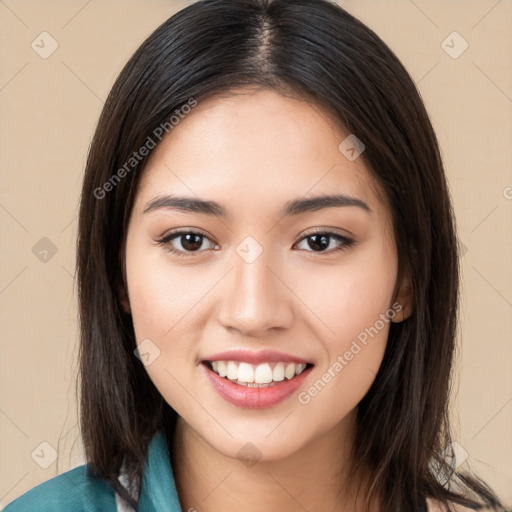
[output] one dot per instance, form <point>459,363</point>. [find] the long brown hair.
<point>315,50</point>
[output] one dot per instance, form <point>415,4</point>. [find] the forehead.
<point>255,146</point>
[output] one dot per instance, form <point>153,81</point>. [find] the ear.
<point>403,300</point>
<point>124,300</point>
<point>122,288</point>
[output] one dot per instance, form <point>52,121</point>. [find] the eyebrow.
<point>294,207</point>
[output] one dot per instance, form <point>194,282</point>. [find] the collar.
<point>158,490</point>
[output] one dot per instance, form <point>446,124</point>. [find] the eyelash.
<point>345,241</point>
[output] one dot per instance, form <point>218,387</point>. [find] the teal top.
<point>76,491</point>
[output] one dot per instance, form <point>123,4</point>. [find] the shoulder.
<point>73,491</point>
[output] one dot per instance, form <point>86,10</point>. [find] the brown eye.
<point>190,242</point>
<point>321,241</point>
<point>183,242</point>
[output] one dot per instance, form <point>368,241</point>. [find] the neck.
<point>313,478</point>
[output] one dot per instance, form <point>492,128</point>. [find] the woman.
<point>268,277</point>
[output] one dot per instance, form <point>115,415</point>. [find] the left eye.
<point>321,241</point>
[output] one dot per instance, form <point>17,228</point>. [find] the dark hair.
<point>311,49</point>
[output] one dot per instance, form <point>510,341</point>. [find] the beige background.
<point>48,110</point>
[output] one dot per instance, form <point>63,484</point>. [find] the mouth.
<point>261,375</point>
<point>255,380</point>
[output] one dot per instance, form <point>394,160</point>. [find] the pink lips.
<point>253,397</point>
<point>263,356</point>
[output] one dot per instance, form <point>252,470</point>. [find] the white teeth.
<point>232,370</point>
<point>255,375</point>
<point>289,373</point>
<point>221,368</point>
<point>262,375</point>
<point>245,373</point>
<point>300,368</point>
<point>278,373</point>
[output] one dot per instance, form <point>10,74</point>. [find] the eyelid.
<point>329,231</point>
<point>183,231</point>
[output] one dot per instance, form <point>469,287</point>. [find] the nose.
<point>256,298</point>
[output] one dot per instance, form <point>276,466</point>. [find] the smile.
<point>256,375</point>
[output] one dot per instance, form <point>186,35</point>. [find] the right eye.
<point>189,240</point>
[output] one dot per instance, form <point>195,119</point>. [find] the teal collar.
<point>158,491</point>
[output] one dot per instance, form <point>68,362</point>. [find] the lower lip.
<point>255,398</point>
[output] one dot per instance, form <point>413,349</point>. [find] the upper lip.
<point>262,356</point>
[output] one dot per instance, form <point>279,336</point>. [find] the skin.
<point>252,152</point>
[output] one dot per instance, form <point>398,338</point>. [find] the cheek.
<point>161,296</point>
<point>356,307</point>
<point>353,304</point>
<point>349,298</point>
<point>163,301</point>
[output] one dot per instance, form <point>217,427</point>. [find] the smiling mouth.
<point>257,375</point>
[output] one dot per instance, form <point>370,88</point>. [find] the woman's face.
<point>255,280</point>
